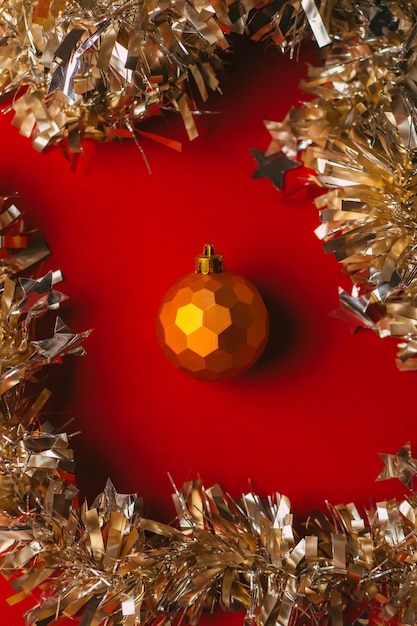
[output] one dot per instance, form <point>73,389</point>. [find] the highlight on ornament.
<point>212,324</point>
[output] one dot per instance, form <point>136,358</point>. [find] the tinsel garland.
<point>359,135</point>
<point>96,69</point>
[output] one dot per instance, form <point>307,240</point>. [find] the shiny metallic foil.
<point>107,561</point>
<point>359,135</point>
<point>96,68</point>
<point>36,462</point>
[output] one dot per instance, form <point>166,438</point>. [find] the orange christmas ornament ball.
<point>212,324</point>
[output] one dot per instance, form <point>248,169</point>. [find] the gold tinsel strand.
<point>96,68</point>
<point>359,135</point>
<point>108,562</point>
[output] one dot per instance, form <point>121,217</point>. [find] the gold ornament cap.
<point>209,262</point>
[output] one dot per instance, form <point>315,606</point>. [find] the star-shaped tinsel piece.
<point>111,500</point>
<point>63,342</point>
<point>400,465</point>
<point>353,311</point>
<point>38,296</point>
<point>273,167</point>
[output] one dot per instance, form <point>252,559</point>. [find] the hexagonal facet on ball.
<point>213,326</point>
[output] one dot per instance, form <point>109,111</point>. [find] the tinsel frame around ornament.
<point>106,563</point>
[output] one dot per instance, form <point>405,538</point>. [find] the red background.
<point>311,417</point>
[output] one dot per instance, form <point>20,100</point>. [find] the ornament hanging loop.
<point>209,262</point>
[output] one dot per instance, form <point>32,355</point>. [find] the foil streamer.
<point>108,563</point>
<point>37,485</point>
<point>98,68</point>
<point>358,134</point>
<point>29,454</point>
